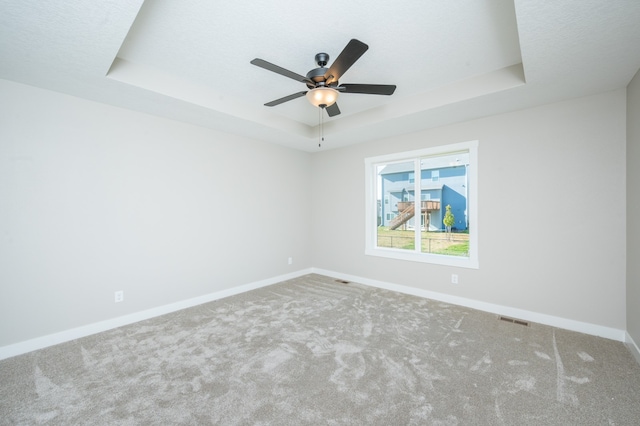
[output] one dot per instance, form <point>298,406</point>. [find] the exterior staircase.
<point>407,211</point>
<point>403,217</point>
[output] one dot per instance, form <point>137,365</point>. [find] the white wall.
<point>95,199</point>
<point>633,209</point>
<point>551,211</point>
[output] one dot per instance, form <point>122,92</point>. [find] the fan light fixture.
<point>322,96</point>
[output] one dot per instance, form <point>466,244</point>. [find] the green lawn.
<point>456,244</point>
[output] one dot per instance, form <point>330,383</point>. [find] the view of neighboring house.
<point>443,182</point>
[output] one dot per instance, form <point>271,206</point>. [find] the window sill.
<point>434,259</point>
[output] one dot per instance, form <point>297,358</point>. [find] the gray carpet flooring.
<point>314,351</point>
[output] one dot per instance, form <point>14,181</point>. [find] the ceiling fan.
<point>322,82</point>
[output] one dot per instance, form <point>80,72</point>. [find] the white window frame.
<point>371,183</point>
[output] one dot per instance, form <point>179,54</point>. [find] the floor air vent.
<point>514,321</point>
<point>342,281</point>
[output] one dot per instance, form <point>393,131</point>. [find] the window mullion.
<point>417,204</point>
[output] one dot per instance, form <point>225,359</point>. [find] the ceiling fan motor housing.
<point>317,74</point>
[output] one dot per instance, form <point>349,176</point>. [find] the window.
<point>440,224</point>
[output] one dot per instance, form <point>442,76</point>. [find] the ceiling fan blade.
<point>368,89</point>
<point>279,70</point>
<point>346,58</point>
<point>333,110</point>
<point>285,99</point>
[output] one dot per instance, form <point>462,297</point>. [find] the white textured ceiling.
<point>451,60</point>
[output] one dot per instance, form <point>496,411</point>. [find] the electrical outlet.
<point>291,261</point>
<point>119,296</point>
<point>454,278</point>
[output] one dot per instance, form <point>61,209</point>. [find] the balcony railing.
<point>425,206</point>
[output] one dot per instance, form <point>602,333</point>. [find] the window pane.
<point>396,222</point>
<point>444,187</point>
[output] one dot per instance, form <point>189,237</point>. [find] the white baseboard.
<point>76,333</point>
<point>567,324</point>
<point>87,330</point>
<point>633,347</point>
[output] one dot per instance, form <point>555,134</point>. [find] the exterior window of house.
<point>440,225</point>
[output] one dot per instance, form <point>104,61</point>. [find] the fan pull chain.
<point>321,129</point>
